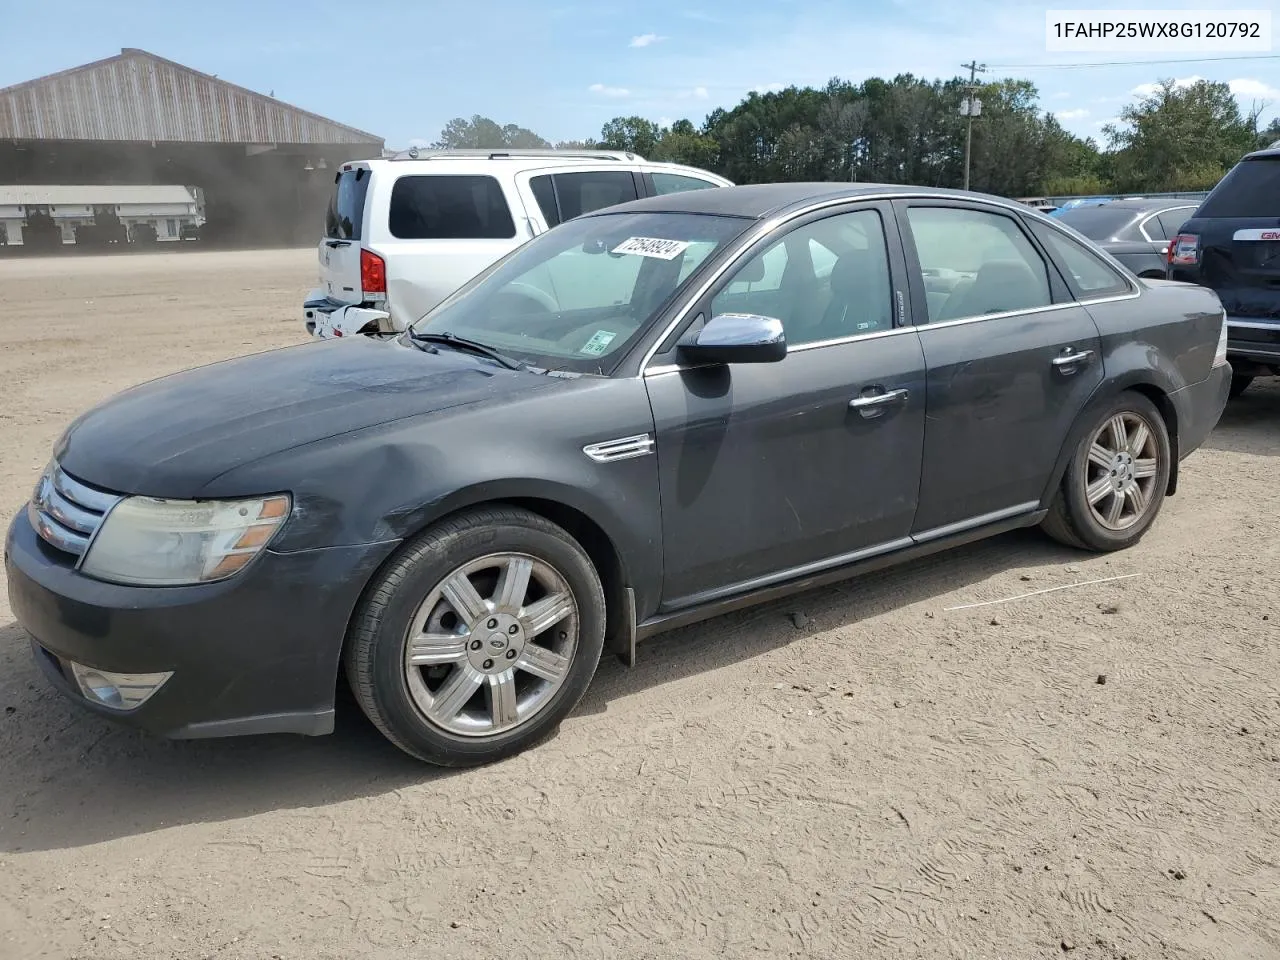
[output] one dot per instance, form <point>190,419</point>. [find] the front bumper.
<point>1199,407</point>
<point>257,653</point>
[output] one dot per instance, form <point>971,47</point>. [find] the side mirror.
<point>737,338</point>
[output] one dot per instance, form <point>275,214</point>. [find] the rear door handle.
<point>878,399</point>
<point>1070,358</point>
<point>331,244</point>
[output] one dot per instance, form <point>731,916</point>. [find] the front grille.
<point>67,513</point>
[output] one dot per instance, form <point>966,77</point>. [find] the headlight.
<point>173,542</point>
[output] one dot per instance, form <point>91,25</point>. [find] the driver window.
<point>826,280</point>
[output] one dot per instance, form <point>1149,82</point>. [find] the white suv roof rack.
<point>506,153</point>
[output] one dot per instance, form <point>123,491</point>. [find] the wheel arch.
<point>1135,383</point>
<point>551,502</point>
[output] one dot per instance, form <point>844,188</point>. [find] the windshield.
<point>577,297</point>
<point>1099,222</point>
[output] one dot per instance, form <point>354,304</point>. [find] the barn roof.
<point>67,195</point>
<point>137,96</point>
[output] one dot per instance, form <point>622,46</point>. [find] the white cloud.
<point>645,40</point>
<point>1078,114</point>
<point>767,88</point>
<point>615,92</point>
<point>1061,95</point>
<point>1253,89</point>
<point>697,93</point>
<point>1147,89</point>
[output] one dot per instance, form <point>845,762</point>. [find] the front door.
<point>1012,359</point>
<point>772,470</point>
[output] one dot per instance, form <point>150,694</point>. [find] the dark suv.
<point>1232,245</point>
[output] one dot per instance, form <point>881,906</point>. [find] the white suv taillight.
<point>1220,355</point>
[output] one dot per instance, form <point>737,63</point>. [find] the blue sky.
<point>564,67</point>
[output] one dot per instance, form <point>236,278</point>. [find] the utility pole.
<point>970,107</point>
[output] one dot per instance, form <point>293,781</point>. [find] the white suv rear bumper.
<point>326,318</point>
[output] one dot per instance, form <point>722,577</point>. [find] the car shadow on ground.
<point>1251,422</point>
<point>73,778</point>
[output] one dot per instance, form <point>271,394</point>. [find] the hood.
<point>170,437</point>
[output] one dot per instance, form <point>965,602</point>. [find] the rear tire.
<point>478,638</point>
<point>1239,384</point>
<point>1116,480</point>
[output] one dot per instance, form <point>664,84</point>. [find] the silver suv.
<point>403,232</point>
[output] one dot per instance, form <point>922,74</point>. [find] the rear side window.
<point>1250,189</point>
<point>346,205</point>
<point>676,183</point>
<point>1171,221</point>
<point>563,196</point>
<point>1089,275</point>
<point>445,207</point>
<point>975,263</point>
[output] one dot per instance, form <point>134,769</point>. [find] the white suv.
<point>403,232</point>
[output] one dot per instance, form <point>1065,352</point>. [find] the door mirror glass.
<point>737,338</point>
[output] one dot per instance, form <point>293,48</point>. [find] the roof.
<point>85,196</point>
<point>762,200</point>
<point>137,96</point>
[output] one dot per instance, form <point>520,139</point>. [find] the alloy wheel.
<point>491,644</point>
<point>1122,471</point>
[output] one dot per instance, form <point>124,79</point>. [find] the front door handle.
<point>878,399</point>
<point>1070,358</point>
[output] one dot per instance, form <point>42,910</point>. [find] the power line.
<point>1127,63</point>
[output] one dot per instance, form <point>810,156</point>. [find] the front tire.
<point>478,638</point>
<point>1115,483</point>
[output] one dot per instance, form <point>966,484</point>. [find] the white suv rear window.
<point>449,207</point>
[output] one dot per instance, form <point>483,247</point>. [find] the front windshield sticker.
<point>598,343</point>
<point>652,247</point>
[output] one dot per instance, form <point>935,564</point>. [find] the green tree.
<point>682,143</point>
<point>481,133</point>
<point>1179,138</point>
<point>634,134</point>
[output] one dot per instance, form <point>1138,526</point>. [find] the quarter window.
<point>448,207</point>
<point>1171,221</point>
<point>826,280</point>
<point>975,263</point>
<point>676,183</point>
<point>1090,275</point>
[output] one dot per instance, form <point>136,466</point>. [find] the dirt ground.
<point>864,771</point>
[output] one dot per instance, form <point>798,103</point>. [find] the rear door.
<point>339,250</point>
<point>1011,357</point>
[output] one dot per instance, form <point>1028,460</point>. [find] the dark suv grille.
<point>67,513</point>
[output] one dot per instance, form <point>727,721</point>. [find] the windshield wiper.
<point>463,343</point>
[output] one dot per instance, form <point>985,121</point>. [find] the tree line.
<point>909,130</point>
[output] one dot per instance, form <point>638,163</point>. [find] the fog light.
<point>121,691</point>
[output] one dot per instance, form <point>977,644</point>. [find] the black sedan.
<point>1135,232</point>
<point>645,417</point>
